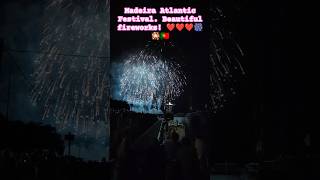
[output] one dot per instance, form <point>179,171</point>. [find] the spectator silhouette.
<point>123,162</point>
<point>171,147</point>
<point>155,161</point>
<point>187,159</point>
<point>202,158</point>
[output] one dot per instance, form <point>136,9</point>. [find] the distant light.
<point>170,104</point>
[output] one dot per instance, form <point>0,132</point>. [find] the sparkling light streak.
<point>73,91</point>
<point>224,57</point>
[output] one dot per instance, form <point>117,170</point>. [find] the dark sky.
<point>190,50</point>
<point>270,97</point>
<point>22,24</point>
<point>273,97</point>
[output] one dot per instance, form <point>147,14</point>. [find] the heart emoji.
<point>170,27</point>
<point>189,26</point>
<point>179,26</point>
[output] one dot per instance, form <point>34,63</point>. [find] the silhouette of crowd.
<point>145,158</point>
<point>33,151</point>
<point>171,160</point>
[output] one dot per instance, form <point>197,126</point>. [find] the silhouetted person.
<point>187,159</point>
<point>200,147</point>
<point>122,165</point>
<point>155,161</point>
<point>171,147</point>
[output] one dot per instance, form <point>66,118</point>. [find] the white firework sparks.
<point>148,79</point>
<point>224,55</point>
<point>71,77</point>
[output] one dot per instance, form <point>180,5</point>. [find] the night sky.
<point>190,50</point>
<point>270,99</point>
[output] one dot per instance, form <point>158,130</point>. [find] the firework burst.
<point>71,78</point>
<point>148,79</point>
<point>71,81</point>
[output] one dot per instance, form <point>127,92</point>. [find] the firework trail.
<point>71,78</point>
<point>224,54</point>
<point>149,79</point>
